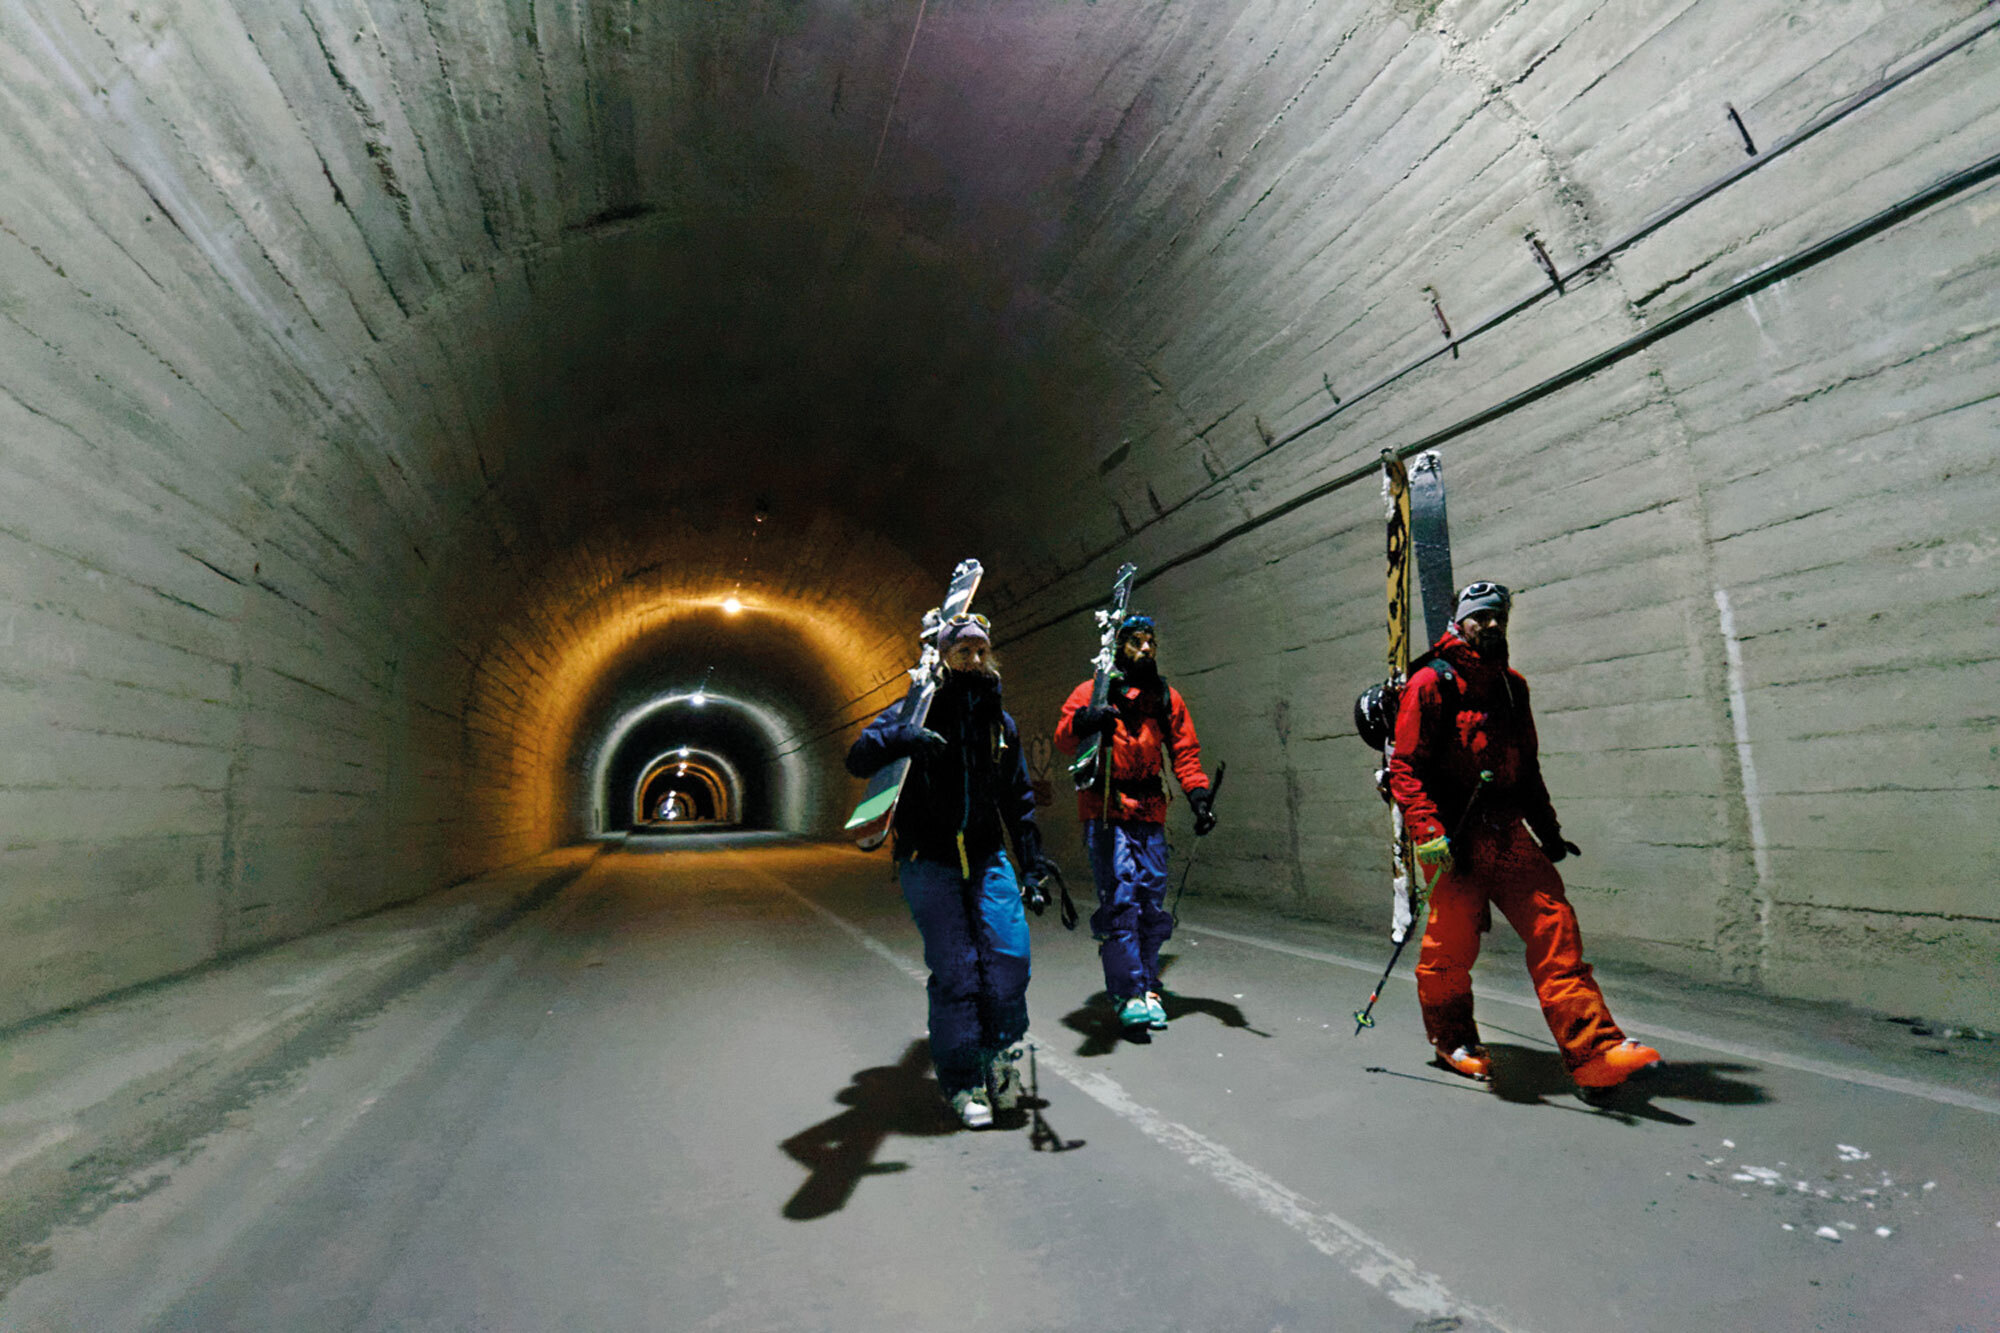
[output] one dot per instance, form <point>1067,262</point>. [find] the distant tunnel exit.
<point>686,785</point>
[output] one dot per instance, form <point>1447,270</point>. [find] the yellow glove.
<point>1434,854</point>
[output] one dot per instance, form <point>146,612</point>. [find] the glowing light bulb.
<point>697,698</point>
<point>732,605</point>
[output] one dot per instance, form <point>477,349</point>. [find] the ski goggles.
<point>964,625</point>
<point>1482,596</point>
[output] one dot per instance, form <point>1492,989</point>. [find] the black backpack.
<point>1375,710</point>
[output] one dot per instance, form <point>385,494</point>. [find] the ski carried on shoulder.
<point>1414,504</point>
<point>1104,669</point>
<point>1430,537</point>
<point>869,824</point>
<point>1396,503</point>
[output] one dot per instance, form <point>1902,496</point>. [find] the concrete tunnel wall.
<point>381,385</point>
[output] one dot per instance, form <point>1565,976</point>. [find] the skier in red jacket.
<point>1467,775</point>
<point>1128,842</point>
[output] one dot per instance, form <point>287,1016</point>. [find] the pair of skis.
<point>1104,670</point>
<point>1413,501</point>
<point>869,824</point>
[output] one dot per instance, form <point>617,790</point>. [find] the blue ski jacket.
<point>977,787</point>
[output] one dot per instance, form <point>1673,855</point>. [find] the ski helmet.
<point>1482,596</point>
<point>1135,622</point>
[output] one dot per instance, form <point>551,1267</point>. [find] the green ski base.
<point>872,808</point>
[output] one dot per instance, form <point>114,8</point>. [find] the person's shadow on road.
<point>1529,1076</point>
<point>901,1098</point>
<point>1097,1019</point>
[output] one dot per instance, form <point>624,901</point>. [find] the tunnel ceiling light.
<point>732,604</point>
<point>697,698</point>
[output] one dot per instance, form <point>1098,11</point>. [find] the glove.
<point>913,740</point>
<point>1200,802</point>
<point>1034,872</point>
<point>1554,846</point>
<point>1434,854</point>
<point>1096,721</point>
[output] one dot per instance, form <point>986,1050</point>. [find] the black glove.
<point>1204,811</point>
<point>1553,845</point>
<point>914,740</point>
<point>1034,875</point>
<point>1095,720</point>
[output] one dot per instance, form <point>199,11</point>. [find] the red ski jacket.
<point>1446,733</point>
<point>1147,723</point>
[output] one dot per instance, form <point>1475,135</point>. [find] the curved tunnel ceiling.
<point>397,385</point>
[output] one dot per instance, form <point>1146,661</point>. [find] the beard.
<point>1143,672</point>
<point>1491,646</point>
<point>979,680</point>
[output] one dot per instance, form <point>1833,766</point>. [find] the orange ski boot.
<point>1608,1068</point>
<point>1471,1061</point>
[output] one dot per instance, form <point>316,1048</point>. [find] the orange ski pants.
<point>1506,868</point>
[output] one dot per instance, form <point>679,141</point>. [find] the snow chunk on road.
<point>1827,1233</point>
<point>1850,1153</point>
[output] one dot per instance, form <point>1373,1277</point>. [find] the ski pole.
<point>1364,1017</point>
<point>1214,790</point>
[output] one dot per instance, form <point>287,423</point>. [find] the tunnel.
<point>430,427</point>
<point>395,399</point>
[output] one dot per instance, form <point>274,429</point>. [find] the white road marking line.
<point>1866,1078</point>
<point>1361,1254</point>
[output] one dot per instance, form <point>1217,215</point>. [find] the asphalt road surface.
<point>691,1093</point>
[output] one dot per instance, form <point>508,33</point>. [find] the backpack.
<point>1375,710</point>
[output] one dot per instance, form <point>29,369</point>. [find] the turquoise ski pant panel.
<point>976,946</point>
<point>1128,860</point>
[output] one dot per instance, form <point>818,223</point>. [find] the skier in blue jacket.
<point>967,788</point>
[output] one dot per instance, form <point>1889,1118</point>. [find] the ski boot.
<point>972,1108</point>
<point>1156,1012</point>
<point>1137,1013</point>
<point>1471,1061</point>
<point>1003,1081</point>
<point>1608,1068</point>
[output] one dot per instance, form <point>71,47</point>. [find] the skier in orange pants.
<point>1466,752</point>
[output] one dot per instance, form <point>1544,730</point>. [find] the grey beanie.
<point>1482,596</point>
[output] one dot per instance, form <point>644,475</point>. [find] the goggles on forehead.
<point>970,618</point>
<point>1483,595</point>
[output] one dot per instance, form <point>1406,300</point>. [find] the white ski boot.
<point>972,1108</point>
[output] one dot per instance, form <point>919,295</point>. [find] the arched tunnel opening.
<point>684,785</point>
<point>712,757</point>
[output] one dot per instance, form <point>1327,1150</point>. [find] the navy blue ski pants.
<point>976,946</point>
<point>1128,859</point>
